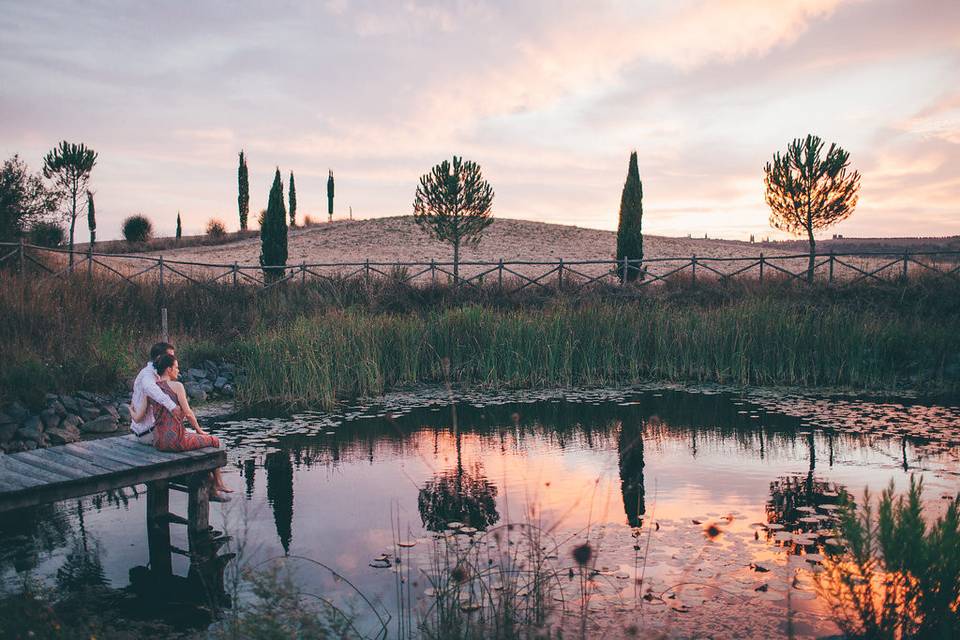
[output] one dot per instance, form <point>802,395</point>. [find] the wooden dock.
<point>57,473</point>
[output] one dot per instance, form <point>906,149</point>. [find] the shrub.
<point>308,221</point>
<point>897,577</point>
<point>137,228</point>
<point>216,228</point>
<point>47,234</point>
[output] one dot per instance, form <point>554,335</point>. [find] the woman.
<point>169,433</point>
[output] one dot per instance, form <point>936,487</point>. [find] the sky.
<point>548,96</point>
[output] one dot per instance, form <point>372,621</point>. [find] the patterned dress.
<point>169,434</point>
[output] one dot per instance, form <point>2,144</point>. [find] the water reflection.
<point>630,452</point>
<point>581,463</point>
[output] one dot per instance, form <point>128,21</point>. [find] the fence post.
<point>234,275</point>
<point>831,267</point>
<point>433,272</point>
<point>366,274</point>
<point>906,257</point>
<point>693,263</point>
<point>500,275</point>
<point>303,272</point>
<point>761,267</point>
<point>164,333</point>
<point>560,275</point>
<point>21,256</point>
<point>90,262</point>
<point>623,274</point>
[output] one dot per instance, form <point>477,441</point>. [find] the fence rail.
<point>510,275</point>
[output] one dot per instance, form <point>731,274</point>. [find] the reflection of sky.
<point>694,465</point>
<point>548,97</point>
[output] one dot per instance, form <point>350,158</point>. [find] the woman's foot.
<point>224,489</point>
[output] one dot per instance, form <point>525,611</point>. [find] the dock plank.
<point>83,468</point>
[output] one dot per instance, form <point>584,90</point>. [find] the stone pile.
<point>64,419</point>
<point>209,380</point>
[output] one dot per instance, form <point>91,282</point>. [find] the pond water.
<point>687,497</point>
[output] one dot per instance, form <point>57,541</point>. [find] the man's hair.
<point>159,349</point>
<point>163,362</point>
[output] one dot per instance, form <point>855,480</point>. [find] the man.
<point>145,386</point>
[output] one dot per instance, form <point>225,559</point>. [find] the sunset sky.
<point>548,96</point>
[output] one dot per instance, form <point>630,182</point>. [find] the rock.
<point>31,429</point>
<point>207,386</point>
<point>70,404</point>
<point>196,374</point>
<point>219,383</point>
<point>58,407</point>
<point>21,445</point>
<point>103,424</point>
<point>123,411</point>
<point>89,413</point>
<point>7,431</point>
<point>50,418</point>
<point>5,419</point>
<point>50,397</point>
<point>86,395</point>
<point>111,410</point>
<point>195,391</point>
<point>60,435</point>
<point>211,369</point>
<point>228,390</point>
<point>71,420</point>
<point>17,411</point>
<point>227,369</point>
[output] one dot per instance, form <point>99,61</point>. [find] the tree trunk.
<point>73,225</point>
<point>456,263</point>
<point>813,250</point>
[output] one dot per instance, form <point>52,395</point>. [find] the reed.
<point>764,341</point>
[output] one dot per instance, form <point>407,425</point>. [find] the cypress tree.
<point>273,234</point>
<point>293,202</point>
<point>243,192</point>
<point>179,227</point>
<point>91,218</point>
<point>629,231</point>
<point>330,196</point>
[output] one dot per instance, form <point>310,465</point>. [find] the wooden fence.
<point>510,275</point>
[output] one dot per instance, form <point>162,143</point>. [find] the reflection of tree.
<point>630,452</point>
<point>82,568</point>
<point>280,494</point>
<point>28,533</point>
<point>789,493</point>
<point>459,496</point>
<point>249,475</point>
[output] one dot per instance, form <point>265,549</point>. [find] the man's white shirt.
<point>145,386</point>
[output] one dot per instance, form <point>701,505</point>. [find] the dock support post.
<point>158,527</point>
<point>198,508</point>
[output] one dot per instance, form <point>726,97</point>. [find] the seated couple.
<point>159,406</point>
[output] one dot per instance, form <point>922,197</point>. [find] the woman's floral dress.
<point>169,433</point>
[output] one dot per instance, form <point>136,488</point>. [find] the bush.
<point>308,221</point>
<point>47,234</point>
<point>216,228</point>
<point>897,576</point>
<point>137,228</point>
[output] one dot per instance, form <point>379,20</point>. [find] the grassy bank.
<point>311,343</point>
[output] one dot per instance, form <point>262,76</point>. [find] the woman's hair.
<point>163,362</point>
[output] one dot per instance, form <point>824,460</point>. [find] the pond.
<point>687,497</point>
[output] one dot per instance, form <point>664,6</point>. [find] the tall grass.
<point>317,341</point>
<point>760,341</point>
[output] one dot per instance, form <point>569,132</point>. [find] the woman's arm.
<point>181,394</point>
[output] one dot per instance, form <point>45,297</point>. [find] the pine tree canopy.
<point>629,229</point>
<point>243,192</point>
<point>273,234</point>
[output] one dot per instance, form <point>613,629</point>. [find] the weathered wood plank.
<point>132,443</point>
<point>115,454</point>
<point>139,457</point>
<point>65,458</point>
<point>42,460</point>
<point>15,465</point>
<point>78,451</point>
<point>10,481</point>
